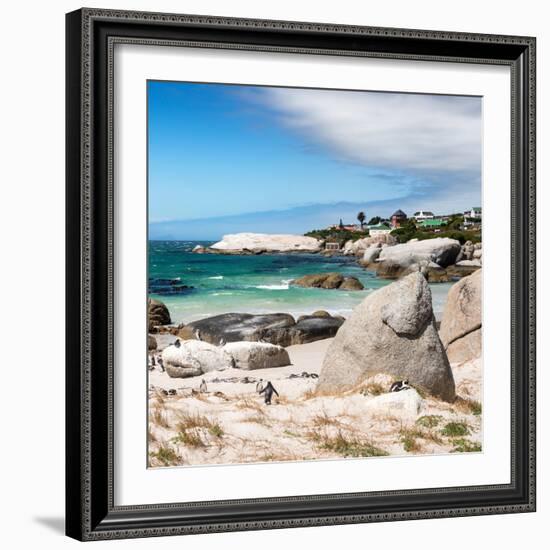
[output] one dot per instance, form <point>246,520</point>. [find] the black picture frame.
<point>90,510</point>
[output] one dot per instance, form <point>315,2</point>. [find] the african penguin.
<point>399,385</point>
<point>269,390</point>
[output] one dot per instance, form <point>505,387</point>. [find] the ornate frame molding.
<point>91,36</point>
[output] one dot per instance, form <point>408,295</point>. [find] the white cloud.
<point>423,135</point>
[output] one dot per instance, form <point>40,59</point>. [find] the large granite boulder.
<point>260,242</point>
<point>442,251</point>
<point>371,254</point>
<point>466,252</point>
<point>274,328</point>
<point>308,329</point>
<point>158,313</point>
<point>328,281</point>
<point>460,329</point>
<point>257,355</point>
<point>193,358</point>
<point>236,327</point>
<point>391,331</point>
<point>359,246</point>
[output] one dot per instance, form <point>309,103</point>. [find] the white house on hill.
<point>423,215</point>
<point>378,230</point>
<point>474,212</point>
<point>472,218</point>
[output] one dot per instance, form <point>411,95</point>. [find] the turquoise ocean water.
<point>253,284</point>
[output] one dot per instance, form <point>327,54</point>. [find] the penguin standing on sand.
<point>399,385</point>
<point>161,364</point>
<point>202,387</point>
<point>198,334</point>
<point>260,385</point>
<point>177,343</point>
<point>222,342</point>
<point>269,390</point>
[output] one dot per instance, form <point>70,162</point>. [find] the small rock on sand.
<point>257,355</point>
<point>406,403</point>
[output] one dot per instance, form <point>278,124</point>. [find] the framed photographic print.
<point>300,274</point>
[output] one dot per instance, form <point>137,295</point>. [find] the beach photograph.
<point>314,274</point>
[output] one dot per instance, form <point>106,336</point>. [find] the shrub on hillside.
<point>337,235</point>
<point>405,234</point>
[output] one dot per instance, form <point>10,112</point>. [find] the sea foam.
<point>283,286</point>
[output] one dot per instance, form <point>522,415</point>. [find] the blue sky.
<point>225,159</point>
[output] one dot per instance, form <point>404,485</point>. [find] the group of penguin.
<point>268,390</point>
<point>153,363</point>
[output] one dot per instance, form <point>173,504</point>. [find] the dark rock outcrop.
<point>321,313</point>
<point>400,260</point>
<point>307,329</point>
<point>456,272</point>
<point>274,328</point>
<point>328,281</point>
<point>236,327</point>
<point>164,287</point>
<point>158,313</point>
<point>351,283</point>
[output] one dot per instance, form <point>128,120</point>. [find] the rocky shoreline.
<point>333,377</point>
<point>439,259</point>
<point>392,331</point>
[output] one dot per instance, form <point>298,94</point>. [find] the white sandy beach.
<point>230,423</point>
